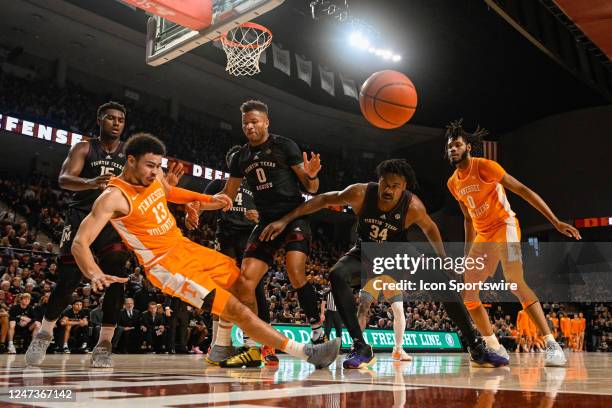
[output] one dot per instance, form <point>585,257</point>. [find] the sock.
<point>492,342</point>
<point>294,348</point>
<point>10,343</point>
<point>47,326</point>
<point>106,334</point>
<point>308,301</point>
<point>224,334</point>
<point>399,323</point>
<point>249,342</point>
<point>317,333</point>
<point>549,337</point>
<point>65,344</point>
<point>214,330</point>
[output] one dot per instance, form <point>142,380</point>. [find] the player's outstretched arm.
<point>539,204</point>
<point>353,195</point>
<point>179,195</point>
<point>110,203</point>
<point>417,214</point>
<point>308,171</point>
<point>69,177</point>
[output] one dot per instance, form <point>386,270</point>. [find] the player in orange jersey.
<point>491,228</point>
<point>136,205</point>
<point>581,332</point>
<point>566,329</point>
<point>576,327</point>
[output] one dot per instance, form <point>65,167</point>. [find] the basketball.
<point>388,99</point>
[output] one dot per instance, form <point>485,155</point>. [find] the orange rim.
<point>248,24</point>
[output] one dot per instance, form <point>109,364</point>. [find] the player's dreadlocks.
<point>455,130</point>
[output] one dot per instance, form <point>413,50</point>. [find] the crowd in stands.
<point>205,143</point>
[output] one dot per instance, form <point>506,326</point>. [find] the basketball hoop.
<point>243,46</point>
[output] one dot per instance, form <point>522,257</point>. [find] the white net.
<point>243,46</point>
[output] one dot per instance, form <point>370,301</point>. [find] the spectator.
<point>128,327</point>
<point>153,328</point>
<point>74,324</point>
<point>21,323</point>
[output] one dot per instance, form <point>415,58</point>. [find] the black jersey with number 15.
<point>379,226</point>
<point>268,172</point>
<point>97,162</point>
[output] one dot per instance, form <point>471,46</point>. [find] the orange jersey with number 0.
<point>479,189</point>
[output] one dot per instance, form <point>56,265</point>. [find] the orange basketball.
<point>388,99</point>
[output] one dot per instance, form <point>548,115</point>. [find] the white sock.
<point>492,342</point>
<point>399,323</point>
<point>10,343</point>
<point>47,326</point>
<point>224,334</point>
<point>249,342</point>
<point>549,337</point>
<point>65,344</point>
<point>214,328</point>
<point>295,349</point>
<point>106,334</point>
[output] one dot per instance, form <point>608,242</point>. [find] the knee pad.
<point>472,305</point>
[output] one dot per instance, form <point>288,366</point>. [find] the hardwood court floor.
<point>432,380</point>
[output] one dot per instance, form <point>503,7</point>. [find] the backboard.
<point>167,40</point>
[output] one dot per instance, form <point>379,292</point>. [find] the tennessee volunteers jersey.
<point>149,229</point>
<point>479,189</point>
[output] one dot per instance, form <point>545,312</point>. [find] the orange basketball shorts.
<point>191,272</point>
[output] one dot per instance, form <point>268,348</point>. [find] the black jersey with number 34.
<point>378,226</point>
<point>97,163</point>
<point>268,172</point>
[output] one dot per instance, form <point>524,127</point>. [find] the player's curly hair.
<point>455,130</point>
<point>110,105</point>
<point>230,153</point>
<point>140,144</point>
<point>400,167</point>
<point>254,105</point>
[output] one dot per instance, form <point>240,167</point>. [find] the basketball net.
<point>243,46</point>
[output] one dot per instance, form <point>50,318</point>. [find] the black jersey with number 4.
<point>97,163</point>
<point>268,172</point>
<point>234,220</point>
<point>378,226</point>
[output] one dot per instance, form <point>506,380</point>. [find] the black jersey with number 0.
<point>378,226</point>
<point>268,172</point>
<point>234,220</point>
<point>97,162</point>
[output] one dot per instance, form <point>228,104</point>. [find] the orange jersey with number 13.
<point>149,229</point>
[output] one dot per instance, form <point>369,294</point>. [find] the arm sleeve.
<point>214,187</point>
<point>179,195</point>
<point>234,167</point>
<point>292,152</point>
<point>490,171</point>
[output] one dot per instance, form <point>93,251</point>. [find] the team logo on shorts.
<point>449,339</point>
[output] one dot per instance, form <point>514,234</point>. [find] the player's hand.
<point>272,230</point>
<point>192,219</point>
<point>102,281</point>
<point>100,182</point>
<point>175,172</point>
<point>252,215</point>
<point>313,166</point>
<point>567,230</point>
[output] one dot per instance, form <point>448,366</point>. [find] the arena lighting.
<point>358,40</point>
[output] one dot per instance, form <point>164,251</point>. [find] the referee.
<point>330,315</point>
